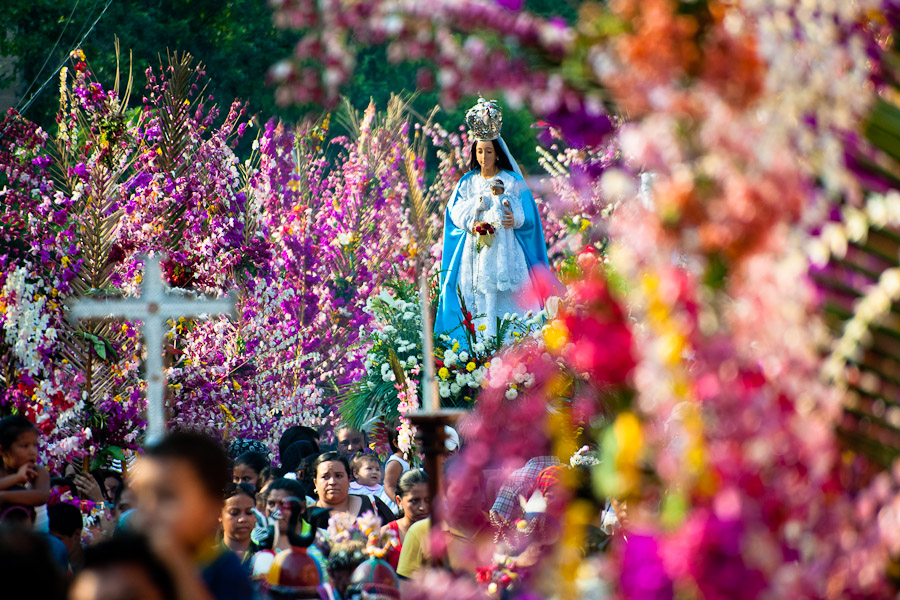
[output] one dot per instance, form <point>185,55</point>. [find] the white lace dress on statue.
<point>493,281</point>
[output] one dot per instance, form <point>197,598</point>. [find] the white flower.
<point>464,356</point>
<point>511,394</point>
<point>408,315</point>
<point>449,358</point>
<point>454,388</point>
<point>551,305</point>
<point>445,391</point>
<point>370,385</point>
<point>479,347</point>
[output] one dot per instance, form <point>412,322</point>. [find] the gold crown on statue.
<point>485,120</point>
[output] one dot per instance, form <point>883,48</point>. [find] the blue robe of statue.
<point>530,238</point>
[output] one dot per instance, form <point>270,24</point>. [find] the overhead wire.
<point>65,58</point>
<point>55,46</point>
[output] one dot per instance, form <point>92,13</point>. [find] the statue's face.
<point>484,152</point>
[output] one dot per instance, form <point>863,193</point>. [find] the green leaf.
<point>115,452</point>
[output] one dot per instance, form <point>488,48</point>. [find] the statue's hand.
<point>508,221</point>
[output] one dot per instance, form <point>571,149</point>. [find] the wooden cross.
<point>154,308</point>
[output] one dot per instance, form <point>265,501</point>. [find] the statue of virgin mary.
<point>495,273</point>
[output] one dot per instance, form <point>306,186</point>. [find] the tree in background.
<point>234,39</point>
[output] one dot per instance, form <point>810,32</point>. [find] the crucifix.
<point>154,307</point>
<point>430,420</point>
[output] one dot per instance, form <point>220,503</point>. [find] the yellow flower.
<point>77,54</point>
<point>487,365</point>
<point>470,367</point>
<point>557,335</point>
<point>444,373</point>
<point>482,327</point>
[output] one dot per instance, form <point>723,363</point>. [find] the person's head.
<point>296,434</point>
<point>280,490</point>
<point>120,568</point>
<point>57,483</point>
<point>350,442</point>
<point>332,478</point>
<point>487,155</point>
<point>463,491</point>
<point>66,523</point>
<point>293,455</point>
<point>179,484</point>
<point>268,475</point>
<point>124,499</point>
<point>109,481</point>
<point>18,442</point>
<point>413,496</point>
<point>248,468</point>
<point>237,513</point>
<point>27,566</point>
<point>307,471</point>
<point>342,561</point>
<point>366,469</point>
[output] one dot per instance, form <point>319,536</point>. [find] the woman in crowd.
<point>248,469</point>
<point>414,501</point>
<point>238,520</point>
<point>333,490</point>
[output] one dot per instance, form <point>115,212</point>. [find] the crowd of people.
<point>197,518</point>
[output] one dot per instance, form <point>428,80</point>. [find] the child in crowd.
<point>396,464</point>
<point>248,468</point>
<point>180,483</point>
<point>22,481</point>
<point>367,479</point>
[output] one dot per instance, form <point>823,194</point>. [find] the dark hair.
<point>294,454</point>
<point>330,457</point>
<point>236,489</point>
<point>357,463</point>
<point>204,454</point>
<point>101,475</point>
<point>295,434</point>
<point>456,466</point>
<point>292,486</point>
<point>502,159</point>
<point>12,427</point>
<point>408,480</point>
<point>393,434</point>
<point>27,567</point>
<point>117,498</point>
<point>255,460</point>
<point>62,481</point>
<point>271,472</point>
<point>344,426</point>
<point>131,549</point>
<point>346,556</point>
<point>306,473</point>
<point>64,518</point>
